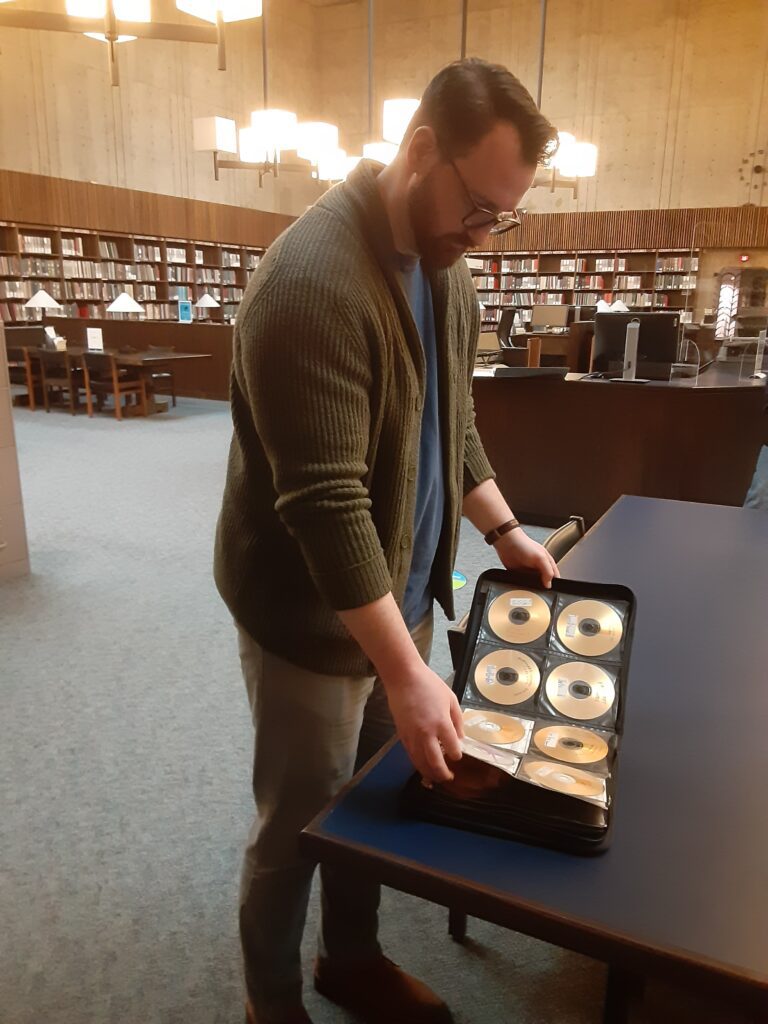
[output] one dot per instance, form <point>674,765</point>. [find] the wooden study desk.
<point>573,446</point>
<point>682,892</point>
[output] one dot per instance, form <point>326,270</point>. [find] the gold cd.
<point>580,691</point>
<point>507,677</point>
<point>571,744</point>
<point>488,727</point>
<point>571,781</point>
<point>519,616</point>
<point>589,627</point>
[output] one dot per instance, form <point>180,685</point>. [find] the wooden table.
<point>145,361</point>
<point>682,892</point>
<point>572,447</point>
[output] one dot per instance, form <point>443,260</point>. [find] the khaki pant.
<point>312,733</point>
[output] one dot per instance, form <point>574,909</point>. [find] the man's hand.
<point>517,551</point>
<point>428,721</point>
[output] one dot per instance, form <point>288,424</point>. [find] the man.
<point>354,454</point>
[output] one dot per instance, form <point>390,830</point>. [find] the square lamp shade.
<point>214,135</point>
<point>207,301</point>
<point>125,303</point>
<point>42,300</point>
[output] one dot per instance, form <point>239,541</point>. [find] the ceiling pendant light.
<point>396,117</point>
<point>315,139</point>
<point>276,129</point>
<point>382,152</point>
<point>332,166</point>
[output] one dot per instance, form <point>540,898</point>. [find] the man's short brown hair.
<point>466,98</point>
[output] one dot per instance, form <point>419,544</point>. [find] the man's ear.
<point>422,151</point>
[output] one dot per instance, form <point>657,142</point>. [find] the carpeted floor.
<point>125,748</point>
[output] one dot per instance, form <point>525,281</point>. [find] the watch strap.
<point>493,535</point>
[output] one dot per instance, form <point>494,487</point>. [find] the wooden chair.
<point>102,378</point>
<point>559,543</point>
<point>163,382</point>
<point>59,374</point>
<point>24,368</point>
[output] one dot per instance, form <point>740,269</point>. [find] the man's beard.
<point>437,251</point>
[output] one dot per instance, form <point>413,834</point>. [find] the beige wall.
<point>59,116</point>
<point>674,93</point>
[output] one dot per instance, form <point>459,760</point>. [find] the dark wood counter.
<point>573,447</point>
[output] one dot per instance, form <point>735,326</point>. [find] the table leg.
<point>621,988</point>
<point>457,925</point>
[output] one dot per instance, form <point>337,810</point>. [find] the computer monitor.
<point>544,316</point>
<point>506,327</point>
<point>657,344</point>
<point>582,313</point>
<point>32,336</point>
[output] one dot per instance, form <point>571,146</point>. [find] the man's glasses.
<point>480,217</point>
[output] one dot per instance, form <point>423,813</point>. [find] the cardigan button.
<point>405,543</point>
<point>412,473</point>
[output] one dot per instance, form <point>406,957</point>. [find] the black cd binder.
<point>542,681</point>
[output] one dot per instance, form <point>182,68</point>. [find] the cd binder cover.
<point>541,680</point>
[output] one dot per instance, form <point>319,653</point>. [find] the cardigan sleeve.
<point>304,364</point>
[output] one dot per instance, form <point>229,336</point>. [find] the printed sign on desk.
<point>94,339</point>
<point>185,311</point>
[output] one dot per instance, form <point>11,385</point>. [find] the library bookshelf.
<point>658,279</point>
<point>85,270</point>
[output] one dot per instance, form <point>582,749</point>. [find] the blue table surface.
<point>687,871</point>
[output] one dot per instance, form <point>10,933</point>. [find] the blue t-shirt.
<point>430,492</point>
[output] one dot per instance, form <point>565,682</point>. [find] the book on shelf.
<point>79,309</point>
<point>145,292</point>
<point>208,275</point>
<point>180,274</point>
<point>486,282</point>
<point>571,265</point>
<point>514,281</point>
<point>643,299</point>
<point>590,281</point>
<point>676,282</point>
<point>158,311</point>
<point>146,272</point>
<point>584,298</point>
<point>9,266</point>
<point>230,259</point>
<point>110,291</point>
<point>108,250</point>
<point>228,277</point>
<point>522,265</point>
<point>474,263</point>
<point>628,281</point>
<point>81,268</point>
<point>609,264</point>
<point>176,254</point>
<point>15,290</point>
<point>14,312</point>
<point>253,261</point>
<point>145,252</point>
<point>551,299</point>
<point>71,247</point>
<point>36,244</point>
<point>33,266</point>
<point>82,291</point>
<point>177,292</point>
<point>117,271</point>
<point>665,264</point>
<point>232,294</point>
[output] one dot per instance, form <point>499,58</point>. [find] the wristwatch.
<point>493,535</point>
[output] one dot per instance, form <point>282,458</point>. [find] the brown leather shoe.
<point>297,1016</point>
<point>379,992</point>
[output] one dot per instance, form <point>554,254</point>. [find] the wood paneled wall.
<point>722,227</point>
<point>58,202</point>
